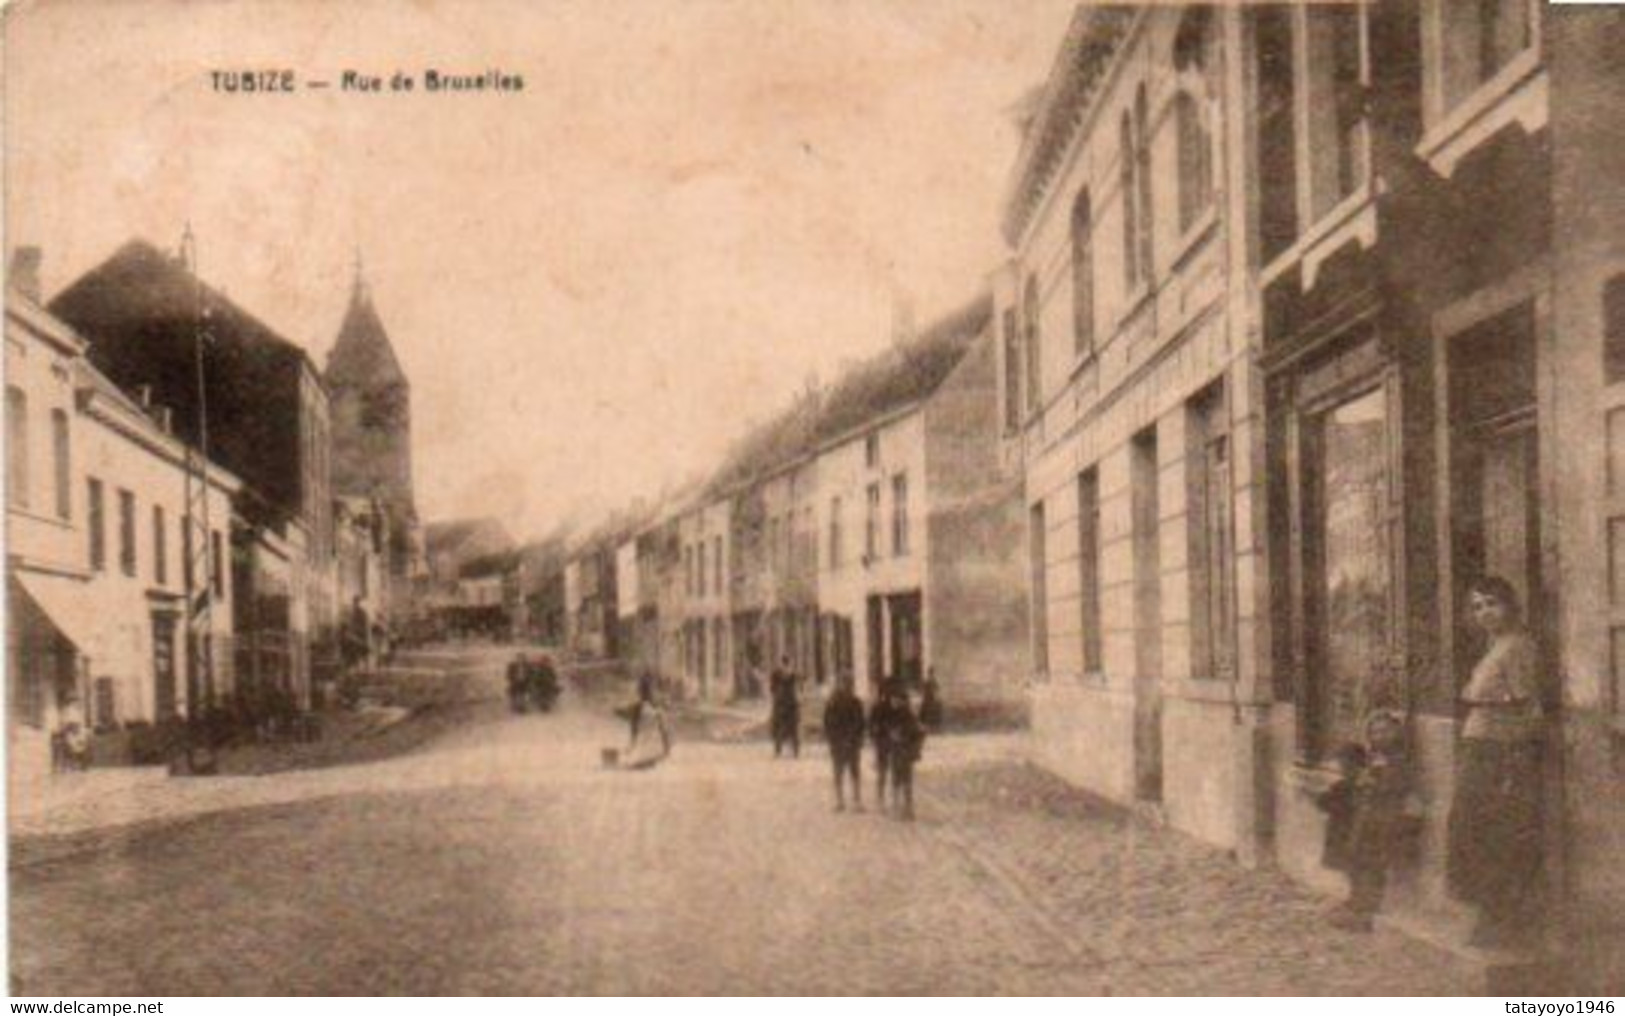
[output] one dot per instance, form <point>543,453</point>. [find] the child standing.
<point>1379,818</point>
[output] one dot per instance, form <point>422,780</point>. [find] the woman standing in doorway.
<point>1495,819</point>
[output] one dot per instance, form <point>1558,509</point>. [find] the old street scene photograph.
<point>911,497</point>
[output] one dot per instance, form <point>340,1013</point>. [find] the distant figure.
<point>519,683</point>
<point>931,703</point>
<point>650,742</point>
<point>783,684</point>
<point>883,716</point>
<point>843,728</point>
<point>907,736</point>
<point>1496,821</point>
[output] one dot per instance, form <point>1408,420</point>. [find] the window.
<point>717,646</point>
<point>1039,581</point>
<point>160,547</point>
<point>1142,179</point>
<point>871,525</point>
<point>1195,161</point>
<point>1212,538</point>
<point>1083,277</point>
<point>1277,134</point>
<point>17,452</point>
<point>126,532</point>
<point>700,586</point>
<point>217,564</point>
<point>96,523</point>
<point>60,451</point>
<point>1012,371</point>
<point>688,570</point>
<point>1613,323</point>
<point>1478,38</point>
<point>1128,192</point>
<point>834,533</point>
<point>871,451</point>
<point>1336,105</point>
<point>716,555</point>
<point>899,514</point>
<point>1030,311</point>
<point>1089,569</point>
<point>1350,539</point>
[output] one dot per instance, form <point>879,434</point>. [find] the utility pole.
<point>201,562</point>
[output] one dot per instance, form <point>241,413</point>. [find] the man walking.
<point>784,687</point>
<point>883,718</point>
<point>843,729</point>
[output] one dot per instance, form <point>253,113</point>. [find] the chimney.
<point>24,272</point>
<point>143,395</point>
<point>162,417</point>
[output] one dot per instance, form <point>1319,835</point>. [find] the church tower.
<point>371,402</point>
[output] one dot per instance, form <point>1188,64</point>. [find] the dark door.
<point>876,632</point>
<point>163,666</point>
<point>906,648</point>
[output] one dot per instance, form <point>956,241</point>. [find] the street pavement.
<point>502,859</point>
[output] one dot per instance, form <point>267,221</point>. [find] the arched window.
<point>1012,371</point>
<point>1030,316</point>
<point>1195,161</point>
<point>1131,219</point>
<point>1142,177</point>
<point>1083,276</point>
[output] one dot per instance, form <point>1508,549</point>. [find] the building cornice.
<point>1086,53</point>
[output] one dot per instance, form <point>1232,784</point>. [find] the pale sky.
<point>595,283</point>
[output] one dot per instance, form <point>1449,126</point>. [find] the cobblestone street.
<point>501,860</point>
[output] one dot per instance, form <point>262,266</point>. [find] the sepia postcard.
<point>815,497</point>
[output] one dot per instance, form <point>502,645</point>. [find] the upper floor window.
<point>17,453</point>
<point>160,547</point>
<point>1012,371</point>
<point>126,532</point>
<point>1333,80</point>
<point>834,533</point>
<point>871,451</point>
<point>61,463</point>
<point>217,564</point>
<point>1613,323</point>
<point>1195,161</point>
<point>1142,178</point>
<point>899,514</point>
<point>717,556</point>
<point>1131,212</point>
<point>1476,38</point>
<point>1193,60</point>
<point>871,524</point>
<point>1030,312</point>
<point>1134,144</point>
<point>1277,130</point>
<point>1083,276</point>
<point>95,523</point>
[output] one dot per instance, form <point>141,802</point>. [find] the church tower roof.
<point>363,356</point>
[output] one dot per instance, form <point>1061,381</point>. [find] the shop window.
<point>1083,276</point>
<point>1089,554</point>
<point>1351,535</point>
<point>1212,537</point>
<point>17,451</point>
<point>1277,144</point>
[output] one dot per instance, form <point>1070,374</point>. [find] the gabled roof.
<point>454,536</point>
<point>904,374</point>
<point>362,354</point>
<point>139,282</point>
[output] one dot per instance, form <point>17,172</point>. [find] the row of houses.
<point>871,529</point>
<point>148,583</point>
<point>1311,314</point>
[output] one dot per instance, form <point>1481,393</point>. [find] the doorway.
<point>164,692</point>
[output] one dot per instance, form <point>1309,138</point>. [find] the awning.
<point>67,605</point>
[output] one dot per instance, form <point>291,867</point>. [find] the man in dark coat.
<point>883,717</point>
<point>784,686</point>
<point>907,735</point>
<point>843,728</point>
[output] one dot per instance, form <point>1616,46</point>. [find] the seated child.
<point>1373,814</point>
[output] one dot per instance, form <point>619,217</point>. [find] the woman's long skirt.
<point>1495,825</point>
